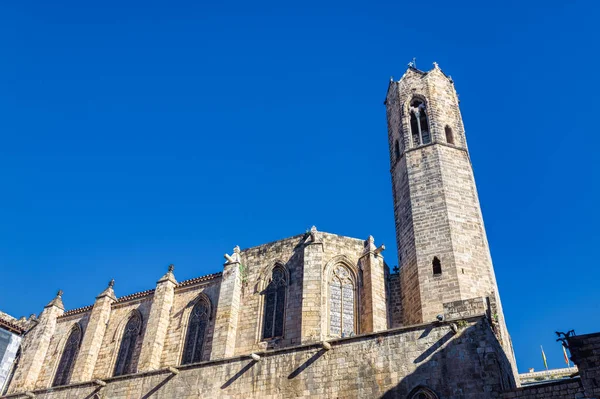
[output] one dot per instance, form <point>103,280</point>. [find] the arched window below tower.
<point>397,150</point>
<point>419,125</point>
<point>67,360</point>
<point>437,266</point>
<point>124,364</point>
<point>422,393</point>
<point>274,310</point>
<point>196,332</point>
<point>449,135</point>
<point>342,302</point>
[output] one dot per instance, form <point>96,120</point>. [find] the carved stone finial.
<point>313,234</point>
<point>57,301</point>
<point>391,78</point>
<point>371,240</point>
<point>171,268</point>
<point>111,283</point>
<point>237,249</point>
<point>436,66</point>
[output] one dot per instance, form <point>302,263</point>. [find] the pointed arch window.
<point>422,393</point>
<point>342,303</point>
<point>131,333</point>
<point>419,124</point>
<point>67,360</point>
<point>196,332</point>
<point>274,310</point>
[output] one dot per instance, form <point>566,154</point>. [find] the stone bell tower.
<point>442,246</point>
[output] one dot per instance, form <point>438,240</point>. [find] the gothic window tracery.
<point>67,360</point>
<point>274,308</point>
<point>341,303</point>
<point>124,364</point>
<point>419,124</point>
<point>196,332</point>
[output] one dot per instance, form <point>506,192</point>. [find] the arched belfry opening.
<point>419,124</point>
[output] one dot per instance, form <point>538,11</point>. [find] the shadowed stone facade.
<point>317,314</point>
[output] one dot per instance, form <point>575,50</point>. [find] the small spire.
<point>313,234</point>
<point>169,276</point>
<point>57,301</point>
<point>108,291</point>
<point>237,249</point>
<point>369,244</point>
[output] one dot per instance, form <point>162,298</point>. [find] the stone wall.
<point>585,353</point>
<point>560,389</point>
<point>236,314</point>
<point>386,364</point>
<point>394,300</point>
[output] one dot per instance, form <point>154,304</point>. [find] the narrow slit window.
<point>397,150</point>
<point>449,135</point>
<point>437,266</point>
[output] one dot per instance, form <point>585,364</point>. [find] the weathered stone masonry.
<point>385,364</point>
<point>318,314</point>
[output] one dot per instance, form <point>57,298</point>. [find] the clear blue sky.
<point>138,134</point>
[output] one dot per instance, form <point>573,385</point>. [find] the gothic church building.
<point>314,315</point>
